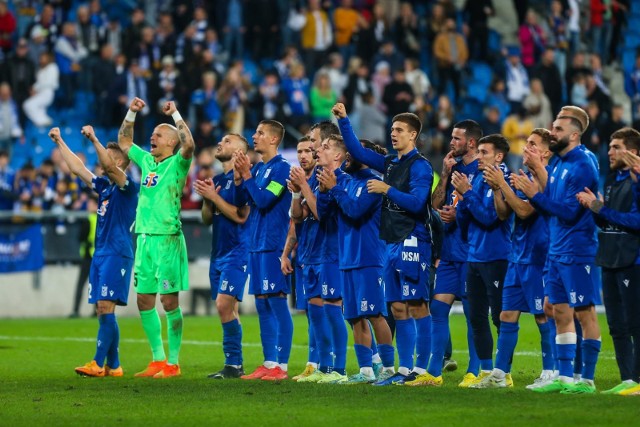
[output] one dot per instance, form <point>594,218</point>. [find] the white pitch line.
<point>603,355</point>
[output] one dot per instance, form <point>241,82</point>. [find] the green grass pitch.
<point>39,387</point>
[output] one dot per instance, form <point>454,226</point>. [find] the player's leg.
<point>301,305</point>
<point>615,311</point>
<point>478,313</point>
<point>445,287</point>
<point>119,282</point>
<point>332,296</point>
<point>279,288</point>
<point>259,286</point>
<point>631,290</point>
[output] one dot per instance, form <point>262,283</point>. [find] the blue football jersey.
<point>116,215</point>
<point>454,247</point>
<point>230,244</point>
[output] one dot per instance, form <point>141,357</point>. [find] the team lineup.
<point>376,246</point>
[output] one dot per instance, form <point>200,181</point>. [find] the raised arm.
<point>125,134</point>
<point>187,145</point>
<point>75,164</point>
<point>355,148</point>
<point>112,170</point>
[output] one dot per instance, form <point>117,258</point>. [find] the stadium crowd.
<point>507,64</point>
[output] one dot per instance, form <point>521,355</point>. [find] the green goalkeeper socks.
<point>174,334</point>
<point>153,329</point>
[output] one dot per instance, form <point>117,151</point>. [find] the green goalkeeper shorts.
<point>161,264</point>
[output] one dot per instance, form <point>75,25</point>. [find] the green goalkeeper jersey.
<point>160,192</point>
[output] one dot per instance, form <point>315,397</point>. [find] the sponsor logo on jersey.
<point>102,210</point>
<point>122,271</point>
<point>410,256</point>
<point>626,282</point>
<point>588,268</point>
<point>151,180</point>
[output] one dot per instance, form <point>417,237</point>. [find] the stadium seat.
<point>628,58</point>
<point>477,91</point>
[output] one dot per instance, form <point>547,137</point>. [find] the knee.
<point>105,307</point>
<point>169,302</point>
<point>399,311</point>
<point>418,311</point>
<point>509,316</point>
<point>146,302</point>
<point>224,308</point>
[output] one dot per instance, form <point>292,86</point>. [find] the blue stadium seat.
<point>481,73</point>
<point>477,91</point>
<point>628,58</point>
<point>494,41</point>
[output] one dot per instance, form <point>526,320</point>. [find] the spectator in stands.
<point>7,178</point>
<point>451,54</point>
<point>476,15</point>
<point>346,20</point>
<point>418,80</point>
<point>113,35</point>
<point>7,27</point>
<point>317,36</point>
<point>358,85</point>
<point>132,35</point>
<point>37,41</point>
<point>573,26</point>
<point>233,96</point>
<point>322,98</point>
<point>46,23</point>
<point>406,31</point>
<point>398,95</point>
<point>549,74</point>
<point>47,81</point>
<point>517,79</point>
<point>517,129</point>
<point>614,122</point>
<point>497,98</point>
<point>264,28</point>
<point>204,103</point>
<point>557,23</point>
<point>69,52</point>
<point>578,95</point>
<point>10,129</point>
<point>23,187</point>
<point>166,34</point>
<point>389,54</point>
<point>372,123</point>
<point>491,121</point>
<point>102,87</point>
<point>269,100</point>
<point>379,27</point>
<point>598,75</point>
<point>334,70</point>
<point>532,40</point>
<point>632,86</point>
<point>131,84</point>
<point>20,73</point>
<point>230,23</point>
<point>578,66</point>
<point>441,123</point>
<point>296,89</point>
<point>436,23</point>
<point>595,93</point>
<point>147,52</point>
<point>379,80</point>
<point>601,27</point>
<point>538,106</point>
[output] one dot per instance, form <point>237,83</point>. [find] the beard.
<point>223,157</point>
<point>558,145</point>
<point>460,152</point>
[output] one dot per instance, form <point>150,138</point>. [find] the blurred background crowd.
<point>509,64</point>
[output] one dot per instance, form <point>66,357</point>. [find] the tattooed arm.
<point>187,145</point>
<point>125,134</point>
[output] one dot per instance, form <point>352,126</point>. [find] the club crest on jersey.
<point>363,305</point>
<point>265,285</point>
<point>538,304</point>
<point>228,186</point>
<point>359,191</point>
<point>572,297</point>
<point>223,285</point>
<point>405,290</point>
<point>324,289</point>
<point>267,172</point>
<point>151,180</point>
<point>104,291</point>
<point>102,210</point>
